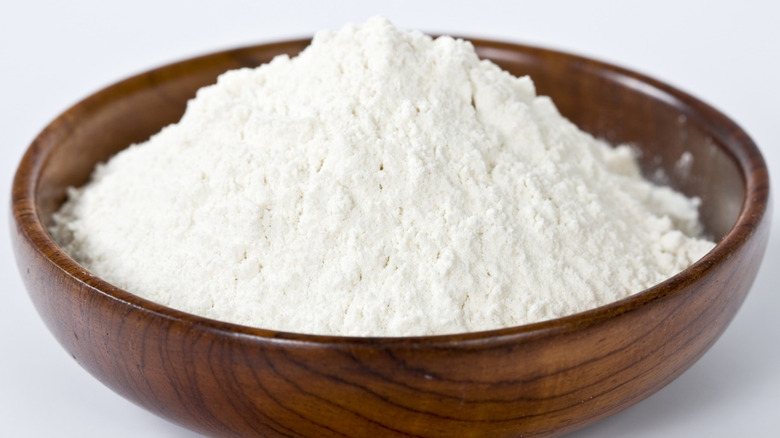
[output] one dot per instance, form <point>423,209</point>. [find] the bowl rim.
<point>737,145</point>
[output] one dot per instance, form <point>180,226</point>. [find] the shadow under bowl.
<point>541,379</point>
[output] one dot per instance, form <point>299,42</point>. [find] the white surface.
<point>55,53</point>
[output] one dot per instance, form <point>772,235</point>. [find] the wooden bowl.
<point>541,379</point>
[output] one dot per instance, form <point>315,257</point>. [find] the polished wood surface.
<point>542,379</point>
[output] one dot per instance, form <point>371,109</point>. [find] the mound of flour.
<point>380,183</point>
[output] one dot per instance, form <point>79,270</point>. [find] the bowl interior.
<point>677,146</point>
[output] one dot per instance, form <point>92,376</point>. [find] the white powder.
<point>380,183</point>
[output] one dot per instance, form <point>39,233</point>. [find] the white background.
<point>55,53</point>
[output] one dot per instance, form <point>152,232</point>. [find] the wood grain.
<point>537,380</point>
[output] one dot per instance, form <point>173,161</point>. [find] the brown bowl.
<point>541,379</point>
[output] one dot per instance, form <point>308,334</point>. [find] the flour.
<point>380,183</point>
